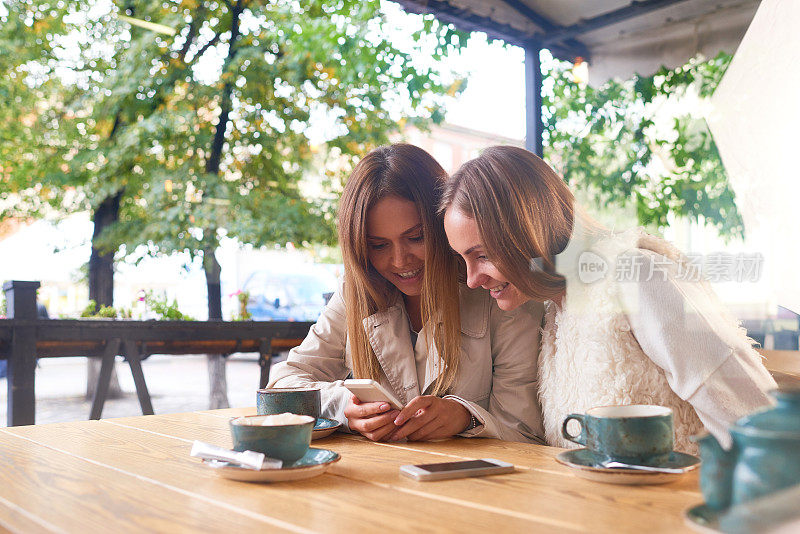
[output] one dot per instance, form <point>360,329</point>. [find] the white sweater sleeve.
<point>735,389</point>
<point>683,330</point>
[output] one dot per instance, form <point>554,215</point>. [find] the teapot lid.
<point>781,420</point>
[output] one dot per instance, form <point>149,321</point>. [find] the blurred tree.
<point>194,121</point>
<point>27,90</point>
<point>613,142</point>
<point>37,92</point>
<point>180,122</point>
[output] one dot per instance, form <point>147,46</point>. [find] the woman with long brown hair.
<point>458,363</point>
<point>627,318</point>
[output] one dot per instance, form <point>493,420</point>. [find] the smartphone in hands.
<point>371,391</point>
<point>449,470</point>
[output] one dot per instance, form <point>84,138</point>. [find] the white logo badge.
<point>591,267</point>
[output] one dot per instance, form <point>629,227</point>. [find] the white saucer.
<point>314,463</point>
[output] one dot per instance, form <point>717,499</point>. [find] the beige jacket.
<point>497,377</point>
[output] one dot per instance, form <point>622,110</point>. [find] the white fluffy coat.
<point>589,356</point>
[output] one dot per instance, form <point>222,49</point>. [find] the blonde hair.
<point>524,212</point>
<point>410,173</point>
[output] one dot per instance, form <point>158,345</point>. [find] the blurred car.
<point>288,296</point>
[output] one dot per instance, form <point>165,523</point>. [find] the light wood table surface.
<point>135,475</point>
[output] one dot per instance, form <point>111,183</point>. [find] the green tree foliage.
<point>29,96</point>
<point>200,128</point>
<point>612,142</point>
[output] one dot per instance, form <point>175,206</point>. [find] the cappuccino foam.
<point>281,419</point>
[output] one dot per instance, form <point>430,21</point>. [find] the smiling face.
<point>464,237</point>
<point>395,243</point>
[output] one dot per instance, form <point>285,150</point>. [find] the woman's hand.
<point>373,420</point>
<point>428,417</point>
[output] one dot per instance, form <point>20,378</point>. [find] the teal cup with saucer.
<point>286,437</point>
<point>302,401</point>
<point>637,434</point>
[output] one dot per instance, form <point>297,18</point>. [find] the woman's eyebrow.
<point>413,229</point>
<point>471,249</point>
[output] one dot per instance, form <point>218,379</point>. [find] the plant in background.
<point>165,310</point>
<point>2,307</point>
<point>632,143</point>
<point>105,312</point>
<point>244,299</point>
<point>89,310</point>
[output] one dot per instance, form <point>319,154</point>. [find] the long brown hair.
<point>408,172</point>
<point>524,212</point>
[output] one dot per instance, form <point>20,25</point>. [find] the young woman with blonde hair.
<point>627,318</point>
<point>459,363</point>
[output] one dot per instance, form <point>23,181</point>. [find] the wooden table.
<point>135,474</point>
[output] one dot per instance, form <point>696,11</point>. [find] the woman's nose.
<point>475,278</point>
<point>399,256</point>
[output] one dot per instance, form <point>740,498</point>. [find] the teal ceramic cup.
<point>635,434</point>
<point>763,459</point>
<point>303,401</point>
<point>716,473</point>
<point>287,442</point>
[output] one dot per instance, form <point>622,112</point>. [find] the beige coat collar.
<point>389,337</point>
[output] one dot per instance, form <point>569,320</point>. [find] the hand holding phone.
<point>371,391</point>
<point>372,410</point>
<point>449,470</point>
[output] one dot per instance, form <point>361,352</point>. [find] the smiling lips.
<point>409,275</point>
<point>495,291</point>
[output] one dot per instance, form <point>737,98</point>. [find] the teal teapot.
<point>764,458</point>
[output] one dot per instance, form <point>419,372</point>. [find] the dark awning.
<point>617,37</point>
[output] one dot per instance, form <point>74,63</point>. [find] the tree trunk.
<point>101,264</point>
<point>101,287</point>
<point>218,382</point>
<point>101,267</point>
<point>218,394</point>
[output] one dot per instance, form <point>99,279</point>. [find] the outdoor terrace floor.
<point>176,384</point>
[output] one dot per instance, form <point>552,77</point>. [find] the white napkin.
<point>247,459</point>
